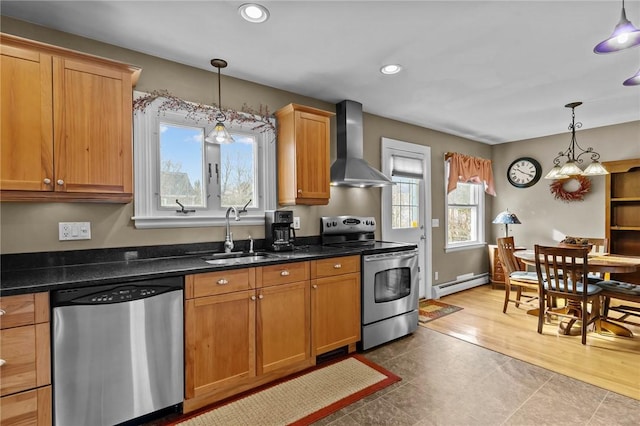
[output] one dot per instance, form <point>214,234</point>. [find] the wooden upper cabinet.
<point>304,135</point>
<point>27,120</point>
<point>69,125</point>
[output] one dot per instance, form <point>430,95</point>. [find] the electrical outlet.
<point>296,222</point>
<point>74,231</point>
<point>435,275</point>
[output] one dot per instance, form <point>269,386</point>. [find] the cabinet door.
<point>26,144</point>
<point>92,117</point>
<point>284,327</point>
<point>220,341</point>
<point>312,157</point>
<point>27,408</point>
<point>335,312</point>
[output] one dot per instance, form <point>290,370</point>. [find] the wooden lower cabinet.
<point>25,373</point>
<point>237,340</point>
<point>335,303</point>
<point>220,342</point>
<point>284,326</point>
<point>27,408</point>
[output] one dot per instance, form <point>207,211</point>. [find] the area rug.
<point>302,399</point>
<point>433,309</point>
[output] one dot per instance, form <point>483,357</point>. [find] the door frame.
<point>425,244</point>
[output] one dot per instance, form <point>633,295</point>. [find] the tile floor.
<point>447,381</point>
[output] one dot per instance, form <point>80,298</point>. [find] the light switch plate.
<point>68,231</point>
<point>296,222</point>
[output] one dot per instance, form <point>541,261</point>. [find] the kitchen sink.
<point>234,258</point>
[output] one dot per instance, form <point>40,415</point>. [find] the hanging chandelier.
<point>219,134</point>
<point>570,167</point>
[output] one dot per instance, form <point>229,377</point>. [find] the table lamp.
<point>507,218</point>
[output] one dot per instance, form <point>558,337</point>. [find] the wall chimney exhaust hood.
<point>350,169</point>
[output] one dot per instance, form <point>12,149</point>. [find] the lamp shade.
<point>633,81</point>
<point>219,135</point>
<point>624,35</point>
<point>506,217</point>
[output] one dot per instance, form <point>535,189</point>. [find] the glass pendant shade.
<point>595,169</point>
<point>219,135</point>
<point>570,168</point>
<point>633,81</point>
<point>555,174</point>
<point>624,35</point>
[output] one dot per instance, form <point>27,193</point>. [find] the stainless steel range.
<point>389,278</point>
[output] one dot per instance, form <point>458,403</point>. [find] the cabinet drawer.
<point>284,273</point>
<point>18,351</point>
<point>336,266</point>
<point>27,408</point>
<point>24,309</point>
<point>212,283</point>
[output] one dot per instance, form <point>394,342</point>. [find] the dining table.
<point>600,263</point>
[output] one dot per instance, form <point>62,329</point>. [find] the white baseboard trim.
<point>459,285</point>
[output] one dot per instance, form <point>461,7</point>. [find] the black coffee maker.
<point>278,232</point>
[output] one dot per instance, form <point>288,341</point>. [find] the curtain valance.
<point>465,168</point>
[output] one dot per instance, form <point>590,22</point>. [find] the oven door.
<point>389,285</point>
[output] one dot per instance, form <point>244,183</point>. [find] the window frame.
<point>147,212</point>
<point>480,219</point>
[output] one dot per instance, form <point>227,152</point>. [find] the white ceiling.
<point>490,71</point>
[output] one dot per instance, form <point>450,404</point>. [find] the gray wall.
<point>32,227</point>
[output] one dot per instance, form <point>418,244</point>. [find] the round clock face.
<point>524,172</point>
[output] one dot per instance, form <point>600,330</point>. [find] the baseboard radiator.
<point>462,282</point>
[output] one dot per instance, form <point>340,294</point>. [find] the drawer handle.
<point>2,312</point>
<point>337,266</point>
<point>2,362</point>
<point>284,273</point>
<point>222,281</point>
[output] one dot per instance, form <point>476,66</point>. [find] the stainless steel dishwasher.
<point>117,351</point>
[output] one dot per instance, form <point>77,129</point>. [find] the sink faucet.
<point>228,239</point>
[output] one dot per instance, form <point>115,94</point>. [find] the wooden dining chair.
<point>571,285</point>
<point>598,246</point>
<point>516,278</point>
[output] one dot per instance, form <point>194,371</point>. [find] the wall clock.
<point>524,172</point>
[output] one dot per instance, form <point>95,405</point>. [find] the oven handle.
<point>392,255</point>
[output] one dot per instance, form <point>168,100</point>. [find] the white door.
<point>406,206</point>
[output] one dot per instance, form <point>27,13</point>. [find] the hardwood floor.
<point>610,362</point>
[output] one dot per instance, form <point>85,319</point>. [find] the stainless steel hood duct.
<point>350,169</point>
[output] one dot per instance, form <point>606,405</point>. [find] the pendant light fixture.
<point>219,134</point>
<point>624,35</point>
<point>633,81</point>
<point>570,167</point>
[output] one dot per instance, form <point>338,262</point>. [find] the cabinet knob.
<point>260,296</point>
<point>337,266</point>
<point>222,281</point>
<point>284,273</point>
<point>315,286</point>
<point>47,181</point>
<point>299,191</point>
<point>2,312</point>
<point>60,182</point>
<point>253,298</point>
<point>2,362</point>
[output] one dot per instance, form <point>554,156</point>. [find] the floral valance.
<point>464,168</point>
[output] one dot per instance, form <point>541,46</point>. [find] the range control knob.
<point>335,223</point>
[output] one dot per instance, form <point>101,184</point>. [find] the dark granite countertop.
<point>37,272</point>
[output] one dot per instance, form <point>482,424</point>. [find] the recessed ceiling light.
<point>391,69</point>
<point>253,12</point>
